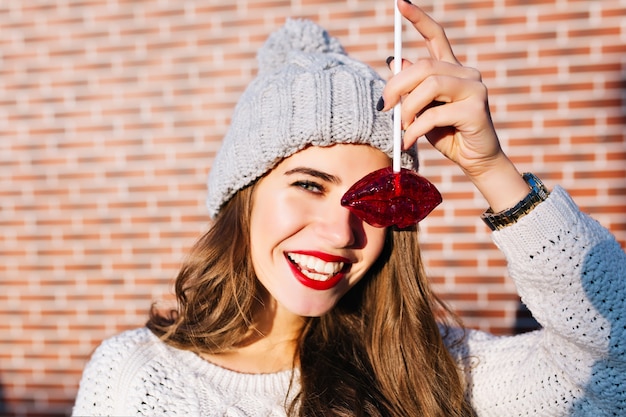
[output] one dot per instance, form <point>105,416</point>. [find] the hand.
<point>447,103</point>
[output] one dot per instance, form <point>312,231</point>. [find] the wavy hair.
<point>380,348</point>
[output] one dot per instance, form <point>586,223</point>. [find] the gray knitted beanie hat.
<point>307,92</point>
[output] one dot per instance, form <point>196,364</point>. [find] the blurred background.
<point>111,112</point>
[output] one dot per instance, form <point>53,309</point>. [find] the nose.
<point>340,227</point>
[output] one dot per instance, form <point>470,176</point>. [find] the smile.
<point>314,272</point>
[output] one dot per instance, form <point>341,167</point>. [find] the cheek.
<point>275,219</point>
<point>376,242</point>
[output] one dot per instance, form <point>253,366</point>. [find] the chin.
<point>311,310</point>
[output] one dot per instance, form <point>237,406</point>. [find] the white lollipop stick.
<point>397,67</point>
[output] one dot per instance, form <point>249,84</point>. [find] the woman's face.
<point>308,250</point>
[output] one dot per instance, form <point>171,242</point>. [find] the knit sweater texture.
<point>569,271</point>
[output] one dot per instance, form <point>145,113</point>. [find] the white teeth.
<point>315,268</point>
<point>316,277</point>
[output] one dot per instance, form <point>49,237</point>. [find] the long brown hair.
<point>380,349</point>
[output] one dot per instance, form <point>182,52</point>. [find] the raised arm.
<point>569,270</point>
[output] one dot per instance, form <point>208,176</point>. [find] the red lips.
<point>385,198</point>
<point>315,284</point>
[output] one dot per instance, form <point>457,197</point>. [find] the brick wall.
<point>111,112</point>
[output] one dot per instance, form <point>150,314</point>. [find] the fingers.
<point>442,89</point>
<point>442,100</point>
<point>413,75</point>
<point>465,113</point>
<point>390,59</point>
<point>440,97</point>
<point>433,33</point>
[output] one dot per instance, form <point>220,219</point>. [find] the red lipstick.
<point>315,284</point>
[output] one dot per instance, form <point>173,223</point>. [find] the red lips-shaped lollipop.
<point>385,198</point>
<point>394,195</point>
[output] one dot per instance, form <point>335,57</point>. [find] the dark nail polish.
<point>388,60</point>
<point>381,104</point>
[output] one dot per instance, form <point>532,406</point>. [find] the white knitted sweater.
<point>569,271</point>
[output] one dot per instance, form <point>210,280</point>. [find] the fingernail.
<point>389,59</point>
<point>381,104</point>
<point>407,1</point>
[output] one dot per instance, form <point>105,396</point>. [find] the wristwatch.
<point>538,193</point>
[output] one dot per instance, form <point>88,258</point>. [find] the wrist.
<point>538,193</point>
<point>500,183</point>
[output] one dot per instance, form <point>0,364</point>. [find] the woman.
<point>292,305</point>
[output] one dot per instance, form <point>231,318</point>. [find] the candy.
<point>385,198</point>
<point>393,196</point>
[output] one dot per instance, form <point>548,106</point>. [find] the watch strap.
<point>538,193</point>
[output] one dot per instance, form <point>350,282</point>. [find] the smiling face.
<point>307,250</point>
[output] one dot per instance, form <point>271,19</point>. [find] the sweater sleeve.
<point>570,272</point>
<point>106,382</point>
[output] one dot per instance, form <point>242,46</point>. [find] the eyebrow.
<point>314,173</point>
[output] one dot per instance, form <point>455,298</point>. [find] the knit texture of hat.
<point>307,92</point>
